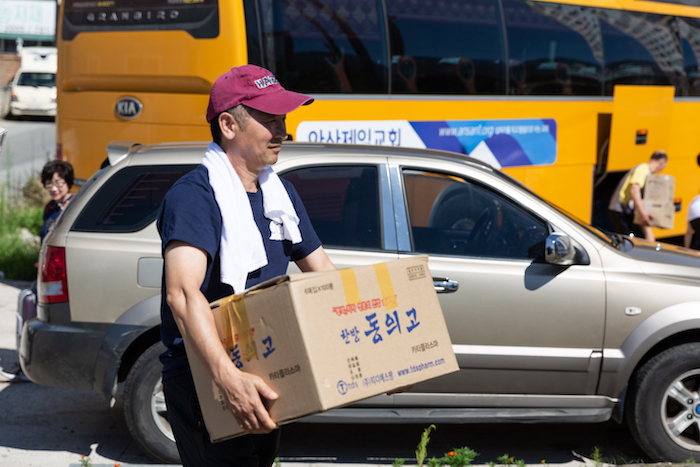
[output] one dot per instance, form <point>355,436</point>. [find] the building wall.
<point>9,64</point>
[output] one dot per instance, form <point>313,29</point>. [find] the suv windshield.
<point>619,241</point>
<point>616,240</point>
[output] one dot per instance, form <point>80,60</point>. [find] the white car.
<point>33,94</point>
<point>34,85</point>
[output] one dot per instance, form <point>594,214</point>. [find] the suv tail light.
<point>53,284</point>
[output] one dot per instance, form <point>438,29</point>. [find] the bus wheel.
<point>664,404</point>
<point>144,408</point>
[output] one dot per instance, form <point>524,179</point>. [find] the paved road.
<point>45,427</point>
<point>28,146</point>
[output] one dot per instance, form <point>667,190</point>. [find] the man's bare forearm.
<point>636,195</point>
<point>185,269</point>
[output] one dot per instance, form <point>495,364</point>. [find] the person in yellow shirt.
<point>627,198</point>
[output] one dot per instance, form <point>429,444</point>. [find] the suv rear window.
<point>129,201</point>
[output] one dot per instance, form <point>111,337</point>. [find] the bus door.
<point>640,123</point>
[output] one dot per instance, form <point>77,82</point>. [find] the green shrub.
<point>19,252</point>
<point>459,457</point>
<point>17,258</point>
<point>34,194</point>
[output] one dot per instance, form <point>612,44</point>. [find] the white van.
<point>34,85</point>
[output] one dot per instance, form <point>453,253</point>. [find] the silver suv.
<point>551,319</point>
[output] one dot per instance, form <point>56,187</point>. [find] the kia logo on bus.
<point>128,108</point>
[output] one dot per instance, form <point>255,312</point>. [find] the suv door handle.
<point>445,285</point>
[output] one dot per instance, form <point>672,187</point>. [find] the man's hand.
<point>399,390</point>
<point>244,393</point>
<point>644,218</point>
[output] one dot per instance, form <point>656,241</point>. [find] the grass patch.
<point>20,221</point>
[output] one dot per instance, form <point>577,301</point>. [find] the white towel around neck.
<point>242,249</point>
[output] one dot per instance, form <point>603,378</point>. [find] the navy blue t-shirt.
<point>189,213</point>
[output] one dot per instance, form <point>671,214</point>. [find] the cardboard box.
<point>658,201</point>
<point>326,340</point>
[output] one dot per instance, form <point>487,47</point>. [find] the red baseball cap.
<point>255,87</point>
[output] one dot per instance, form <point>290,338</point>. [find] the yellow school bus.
<point>564,96</point>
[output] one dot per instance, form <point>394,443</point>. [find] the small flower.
<point>451,454</point>
<point>543,461</point>
<point>83,456</point>
<point>117,465</point>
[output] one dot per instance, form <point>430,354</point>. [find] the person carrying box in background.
<point>692,234</point>
<point>227,225</point>
<point>627,198</point>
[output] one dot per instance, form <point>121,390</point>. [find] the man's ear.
<point>228,125</point>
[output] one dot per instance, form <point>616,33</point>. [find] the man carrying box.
<point>627,198</point>
<point>229,224</point>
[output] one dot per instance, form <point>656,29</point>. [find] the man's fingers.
<point>399,390</point>
<point>264,390</point>
<point>247,405</point>
<point>259,422</point>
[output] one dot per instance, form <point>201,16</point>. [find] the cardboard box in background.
<point>658,201</point>
<point>326,340</point>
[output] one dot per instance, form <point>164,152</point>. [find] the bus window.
<point>252,26</point>
<point>640,49</point>
<point>329,46</point>
<point>689,29</point>
<point>553,49</point>
<point>450,47</point>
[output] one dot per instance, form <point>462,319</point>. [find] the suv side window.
<point>342,203</point>
<point>129,201</point>
<point>454,216</point>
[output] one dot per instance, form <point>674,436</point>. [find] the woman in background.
<point>57,177</point>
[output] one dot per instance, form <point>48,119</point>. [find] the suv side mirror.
<point>559,250</point>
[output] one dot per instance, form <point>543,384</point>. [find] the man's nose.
<point>280,129</point>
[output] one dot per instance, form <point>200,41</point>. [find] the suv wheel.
<point>144,407</point>
<point>664,404</point>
